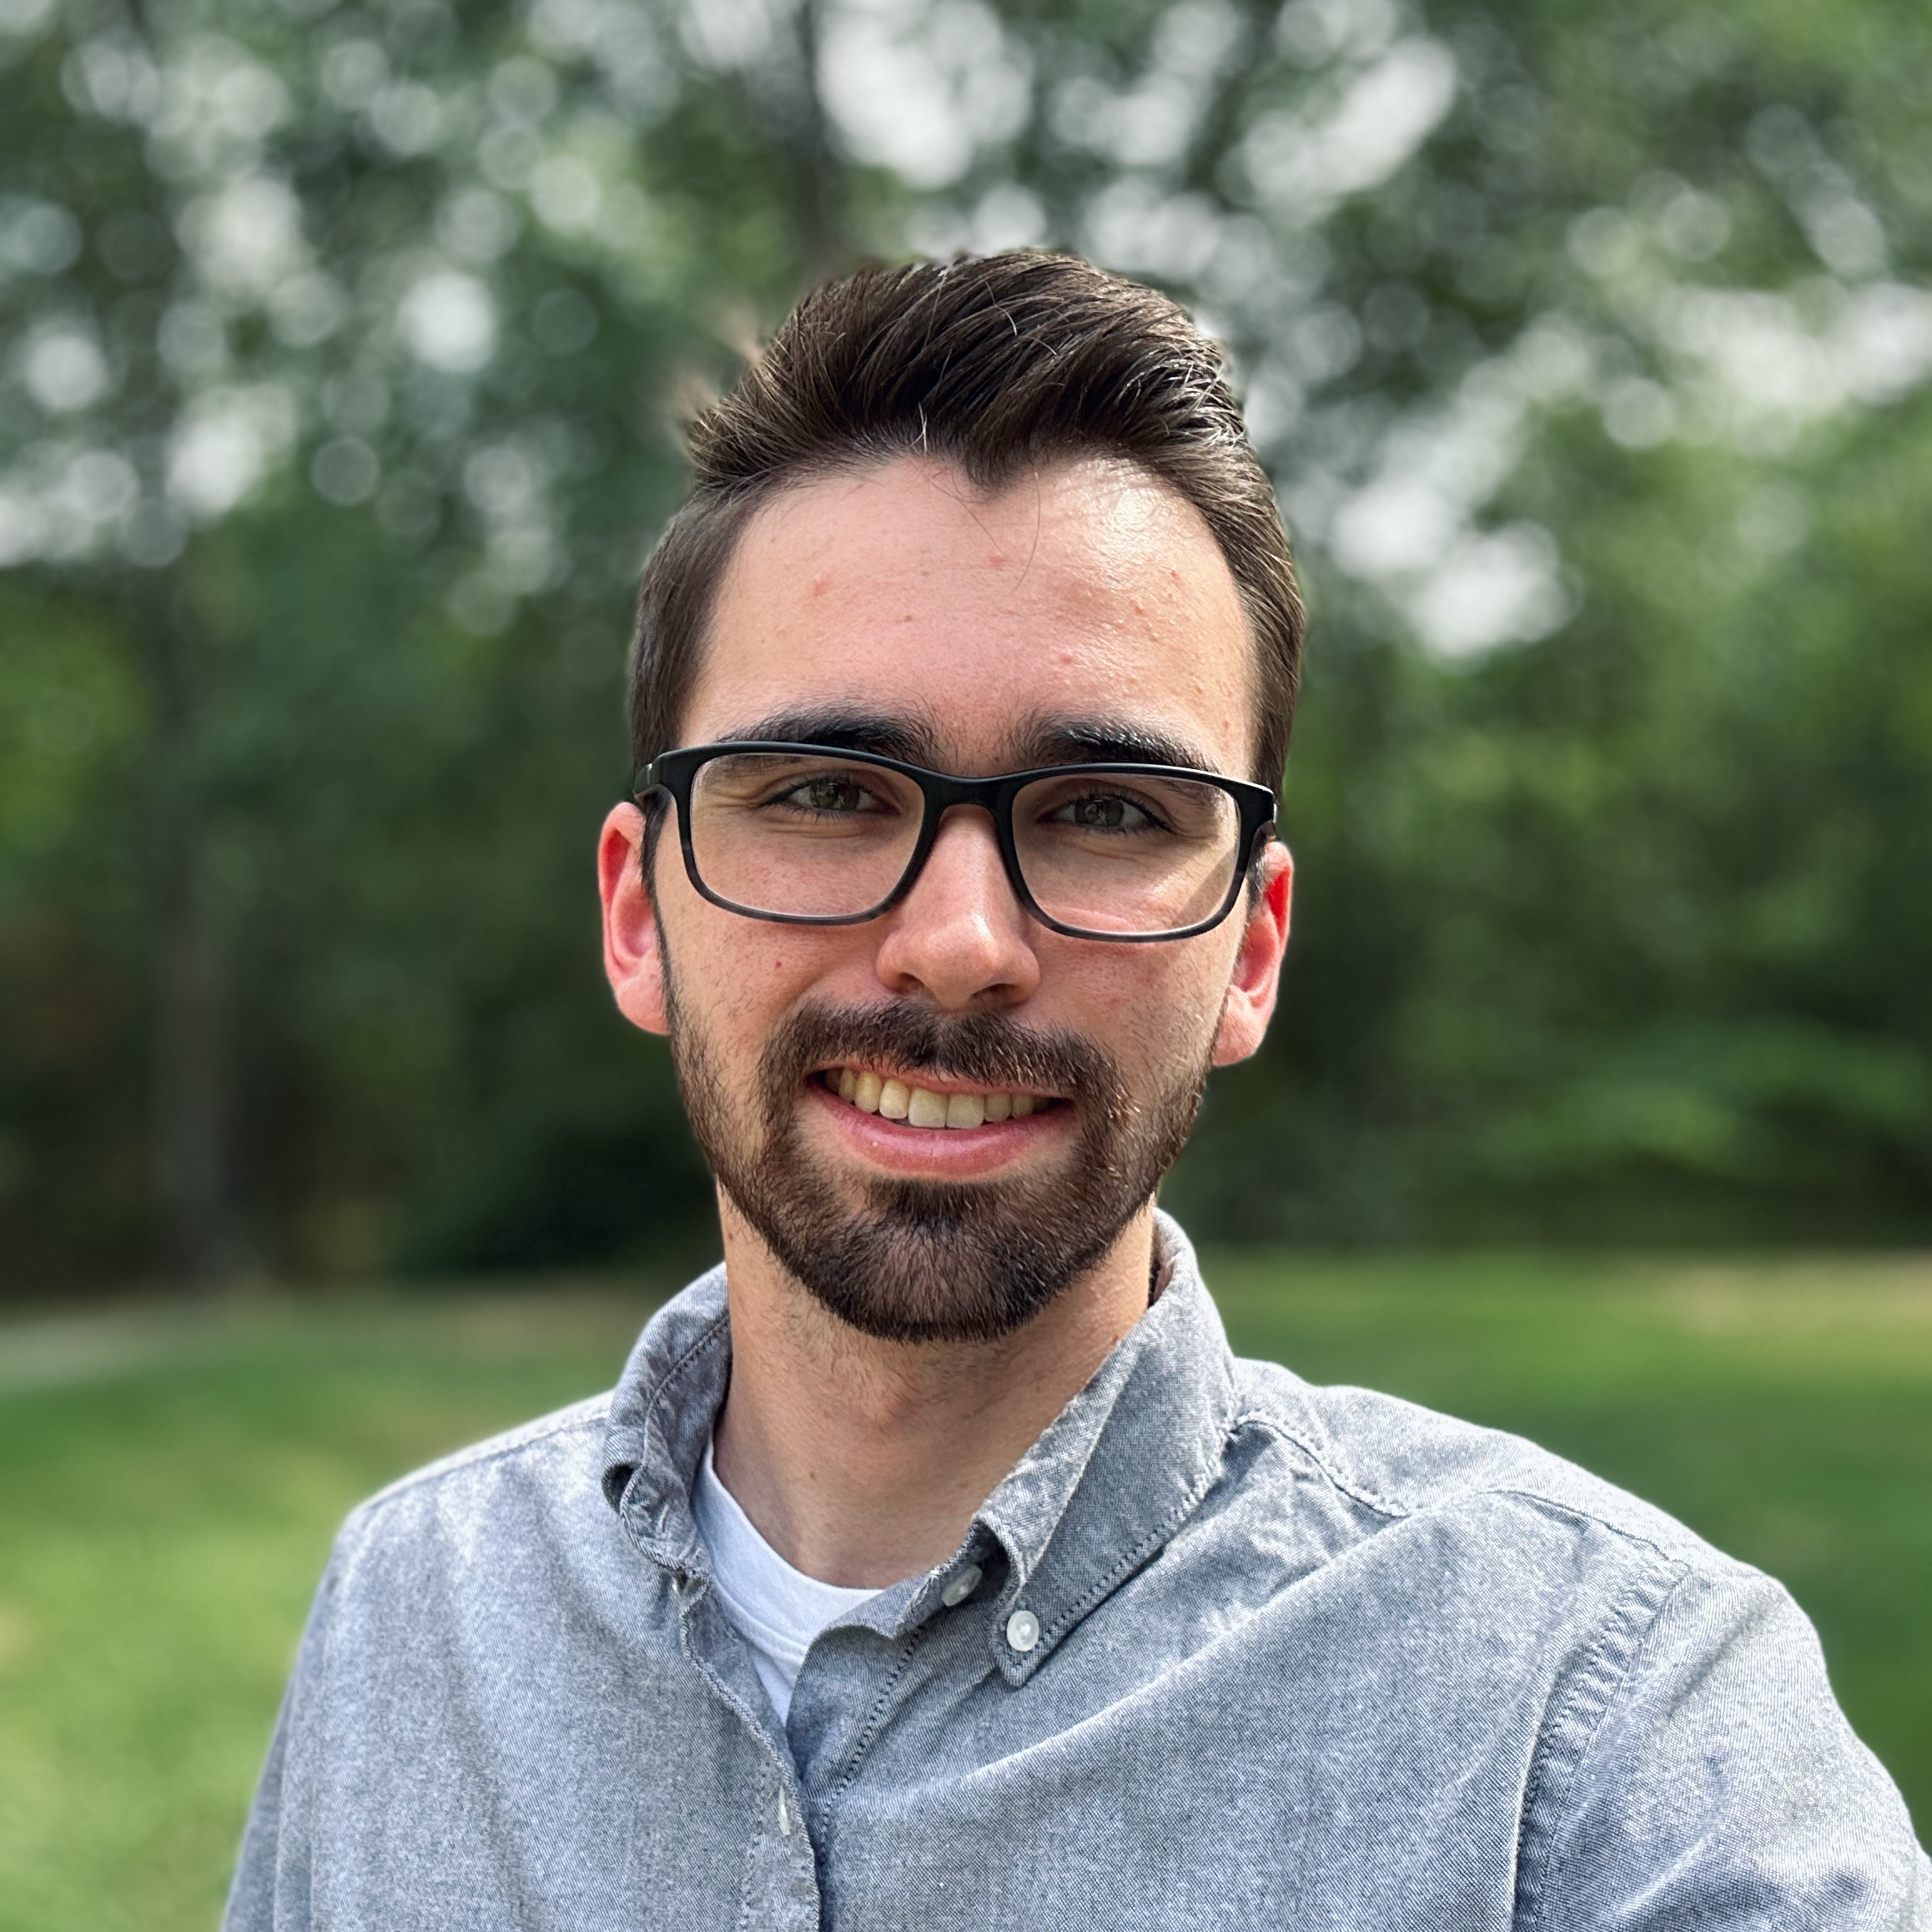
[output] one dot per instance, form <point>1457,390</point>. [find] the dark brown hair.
<point>995,364</point>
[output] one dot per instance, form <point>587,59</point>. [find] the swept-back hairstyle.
<point>996,364</point>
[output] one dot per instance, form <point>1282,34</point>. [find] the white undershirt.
<point>777,1610</point>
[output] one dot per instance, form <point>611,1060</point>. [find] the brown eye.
<point>1105,812</point>
<point>833,795</point>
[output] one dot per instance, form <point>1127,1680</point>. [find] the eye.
<point>1104,812</point>
<point>830,795</point>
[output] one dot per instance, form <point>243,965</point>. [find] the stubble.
<point>920,1260</point>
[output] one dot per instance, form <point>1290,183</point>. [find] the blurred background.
<point>341,347</point>
<point>1589,345</point>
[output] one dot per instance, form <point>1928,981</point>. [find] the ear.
<point>1257,973</point>
<point>632,962</point>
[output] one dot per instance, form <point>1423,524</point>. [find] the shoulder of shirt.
<point>1400,1461</point>
<point>582,1420</point>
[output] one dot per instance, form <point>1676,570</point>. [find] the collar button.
<point>962,1586</point>
<point>1022,1631</point>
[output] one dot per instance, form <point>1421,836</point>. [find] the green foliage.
<point>1651,926</point>
<point>340,342</point>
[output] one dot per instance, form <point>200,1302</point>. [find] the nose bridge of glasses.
<point>963,807</point>
<point>947,796</point>
<point>958,810</point>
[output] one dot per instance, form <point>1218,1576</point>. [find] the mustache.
<point>984,1049</point>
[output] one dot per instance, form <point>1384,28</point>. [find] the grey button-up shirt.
<point>1241,1652</point>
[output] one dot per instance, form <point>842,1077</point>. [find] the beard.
<point>927,1261</point>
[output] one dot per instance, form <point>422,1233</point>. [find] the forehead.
<point>1085,595</point>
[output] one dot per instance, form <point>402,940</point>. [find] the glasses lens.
<point>775,832</point>
<point>1127,853</point>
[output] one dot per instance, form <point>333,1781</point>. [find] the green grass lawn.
<point>168,1486</point>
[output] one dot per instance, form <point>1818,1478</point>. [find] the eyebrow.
<point>912,740</point>
<point>1084,740</point>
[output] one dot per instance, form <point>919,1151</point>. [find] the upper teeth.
<point>919,1107</point>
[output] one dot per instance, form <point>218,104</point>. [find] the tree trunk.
<point>193,1178</point>
<point>784,95</point>
<point>814,172</point>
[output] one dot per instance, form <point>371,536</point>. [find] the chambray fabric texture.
<point>1308,1658</point>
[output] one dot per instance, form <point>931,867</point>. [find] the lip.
<point>936,1153</point>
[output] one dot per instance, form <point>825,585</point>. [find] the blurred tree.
<point>1588,345</point>
<point>1593,941</point>
<point>342,347</point>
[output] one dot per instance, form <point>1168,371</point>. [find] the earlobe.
<point>633,962</point>
<point>1256,979</point>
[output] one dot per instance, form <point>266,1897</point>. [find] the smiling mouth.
<point>913,1106</point>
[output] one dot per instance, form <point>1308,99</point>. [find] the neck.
<point>862,1461</point>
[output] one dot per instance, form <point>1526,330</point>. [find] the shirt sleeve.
<point>1707,1779</point>
<point>271,1879</point>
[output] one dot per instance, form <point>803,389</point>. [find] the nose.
<point>959,936</point>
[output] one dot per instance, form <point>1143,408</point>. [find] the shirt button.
<point>1023,1630</point>
<point>961,1588</point>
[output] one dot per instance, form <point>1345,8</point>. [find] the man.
<point>934,1562</point>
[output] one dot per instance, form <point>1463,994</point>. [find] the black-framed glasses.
<point>809,835</point>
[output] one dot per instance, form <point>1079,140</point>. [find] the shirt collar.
<point>661,1411</point>
<point>1103,1488</point>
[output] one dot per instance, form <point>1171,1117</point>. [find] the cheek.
<point>737,978</point>
<point>1159,1008</point>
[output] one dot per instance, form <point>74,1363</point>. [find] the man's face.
<point>1083,612</point>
